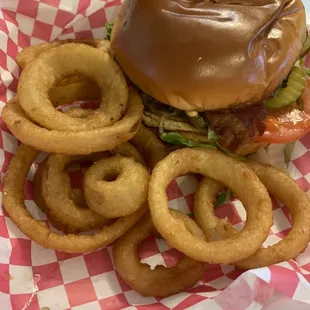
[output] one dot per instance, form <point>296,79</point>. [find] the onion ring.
<point>76,195</point>
<point>53,66</point>
<point>61,208</point>
<point>161,281</point>
<point>283,188</point>
<point>150,146</point>
<point>236,176</point>
<point>28,54</point>
<point>56,191</point>
<point>118,197</point>
<point>127,150</point>
<point>72,88</point>
<point>205,199</point>
<point>37,186</point>
<point>38,231</point>
<point>70,142</point>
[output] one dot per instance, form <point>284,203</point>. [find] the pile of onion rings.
<point>128,172</point>
<point>33,119</point>
<point>13,200</point>
<point>161,281</point>
<point>53,189</point>
<point>284,189</point>
<point>235,175</point>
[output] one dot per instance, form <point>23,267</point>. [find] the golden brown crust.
<point>250,148</point>
<point>203,55</point>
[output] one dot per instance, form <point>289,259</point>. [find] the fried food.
<point>150,146</point>
<point>37,190</point>
<point>283,188</point>
<point>74,142</point>
<point>205,196</point>
<point>52,189</point>
<point>233,174</point>
<point>161,281</point>
<point>116,186</point>
<point>61,208</point>
<point>52,66</point>
<point>75,194</point>
<point>72,88</point>
<point>93,130</point>
<point>29,53</point>
<point>38,231</point>
<point>128,150</point>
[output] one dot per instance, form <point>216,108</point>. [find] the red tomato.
<point>289,125</point>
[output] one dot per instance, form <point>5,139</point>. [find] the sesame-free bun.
<point>212,54</point>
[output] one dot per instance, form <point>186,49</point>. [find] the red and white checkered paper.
<point>32,277</point>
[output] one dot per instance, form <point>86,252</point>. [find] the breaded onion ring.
<point>74,215</point>
<point>150,146</point>
<point>161,281</point>
<point>38,231</point>
<point>44,72</point>
<point>75,194</point>
<point>72,88</point>
<point>128,150</point>
<point>235,175</point>
<point>204,208</point>
<point>61,208</point>
<point>29,53</point>
<point>283,188</point>
<point>116,186</point>
<point>74,142</point>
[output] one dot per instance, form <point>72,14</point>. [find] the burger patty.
<point>239,127</point>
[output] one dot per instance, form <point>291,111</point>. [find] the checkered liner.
<point>34,278</point>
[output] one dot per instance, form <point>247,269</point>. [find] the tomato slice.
<point>288,125</point>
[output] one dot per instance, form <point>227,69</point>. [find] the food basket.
<point>33,278</point>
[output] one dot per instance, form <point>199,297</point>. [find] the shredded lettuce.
<point>223,197</point>
<point>288,151</point>
<point>109,27</point>
<point>177,139</point>
<point>212,136</point>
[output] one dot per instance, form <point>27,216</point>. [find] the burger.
<point>229,73</point>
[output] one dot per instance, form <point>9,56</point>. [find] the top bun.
<point>212,54</point>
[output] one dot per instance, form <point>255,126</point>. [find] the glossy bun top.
<point>212,54</point>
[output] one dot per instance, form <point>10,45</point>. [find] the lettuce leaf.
<point>288,151</point>
<point>177,139</point>
<point>109,30</point>
<point>223,198</point>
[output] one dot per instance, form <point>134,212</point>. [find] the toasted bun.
<point>207,55</point>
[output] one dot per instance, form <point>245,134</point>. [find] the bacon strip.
<point>238,127</point>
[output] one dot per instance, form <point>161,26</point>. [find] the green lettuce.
<point>176,138</point>
<point>109,30</point>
